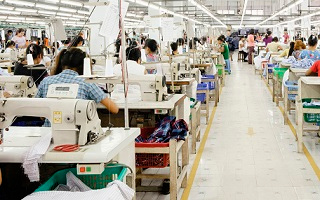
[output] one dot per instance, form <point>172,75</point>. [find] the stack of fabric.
<point>304,63</point>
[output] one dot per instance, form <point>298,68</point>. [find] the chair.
<point>240,56</point>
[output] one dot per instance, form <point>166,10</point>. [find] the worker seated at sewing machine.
<point>174,48</point>
<point>25,68</point>
<point>74,121</point>
<point>69,66</point>
<point>18,86</point>
<point>133,54</point>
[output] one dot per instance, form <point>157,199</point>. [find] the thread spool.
<point>30,59</point>
<point>180,49</point>
<point>86,67</point>
<point>109,68</point>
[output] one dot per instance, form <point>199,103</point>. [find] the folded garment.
<point>73,184</point>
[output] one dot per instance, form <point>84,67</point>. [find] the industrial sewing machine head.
<point>73,121</point>
<point>153,87</point>
<point>18,86</point>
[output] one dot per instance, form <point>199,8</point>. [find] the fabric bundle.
<point>304,63</point>
<point>169,128</point>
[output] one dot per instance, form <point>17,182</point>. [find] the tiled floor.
<point>249,153</point>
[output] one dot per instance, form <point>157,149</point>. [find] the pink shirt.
<point>250,40</point>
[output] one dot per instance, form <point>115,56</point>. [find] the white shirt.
<point>45,60</point>
<point>21,41</point>
<point>133,69</point>
<point>245,46</point>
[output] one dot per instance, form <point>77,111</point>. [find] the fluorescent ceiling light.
<point>3,17</point>
<point>79,16</point>
<point>13,20</point>
<point>26,10</point>
<point>16,18</point>
<point>74,19</point>
<point>10,12</point>
<point>40,23</point>
<point>64,14</point>
<point>32,19</point>
<point>62,17</point>
<point>243,11</point>
<point>284,9</point>
<point>73,3</point>
<point>53,1</point>
<point>24,3</point>
<point>132,20</point>
<point>83,12</point>
<point>68,10</point>
<point>45,6</point>
<point>46,12</point>
<point>2,7</point>
<point>143,3</point>
<point>207,11</point>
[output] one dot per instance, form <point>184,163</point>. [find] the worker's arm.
<point>110,105</point>
<point>221,49</point>
<point>309,72</point>
<point>280,47</point>
<point>284,54</point>
<point>267,49</point>
<point>0,177</point>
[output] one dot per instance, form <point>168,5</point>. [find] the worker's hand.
<point>6,94</point>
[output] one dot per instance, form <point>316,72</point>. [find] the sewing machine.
<point>73,121</point>
<point>153,87</point>
<point>21,53</point>
<point>18,86</point>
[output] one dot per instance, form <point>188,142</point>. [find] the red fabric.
<point>316,67</point>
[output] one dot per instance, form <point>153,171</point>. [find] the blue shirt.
<point>87,91</point>
<point>313,55</point>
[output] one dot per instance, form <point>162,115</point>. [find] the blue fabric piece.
<point>313,55</point>
<point>292,97</point>
<point>169,129</point>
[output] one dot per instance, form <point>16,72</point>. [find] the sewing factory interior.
<point>160,99</point>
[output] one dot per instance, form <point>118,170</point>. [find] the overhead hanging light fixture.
<point>283,9</point>
<point>24,3</point>
<point>26,10</point>
<point>46,12</point>
<point>72,3</point>
<point>10,12</point>
<point>207,11</point>
<point>243,11</point>
<point>68,10</point>
<point>2,7</point>
<point>83,12</point>
<point>48,7</point>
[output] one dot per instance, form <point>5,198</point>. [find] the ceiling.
<point>229,11</point>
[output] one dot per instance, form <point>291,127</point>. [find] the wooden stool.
<point>240,56</point>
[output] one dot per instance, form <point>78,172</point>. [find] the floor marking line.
<point>196,162</point>
<point>313,164</point>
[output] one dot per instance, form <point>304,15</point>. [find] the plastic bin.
<point>202,96</point>
<point>210,84</point>
<point>97,181</point>
<point>151,160</point>
<point>220,69</point>
<point>279,72</point>
<point>311,117</point>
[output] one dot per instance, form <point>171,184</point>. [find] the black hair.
<point>20,30</point>
<point>9,31</point>
<point>35,50</point>
<point>313,40</point>
<point>67,41</point>
<point>291,48</point>
<point>180,42</point>
<point>134,33</point>
<point>174,46</point>
<point>133,53</point>
<point>10,43</point>
<point>152,44</point>
<point>275,39</point>
<point>70,59</point>
<point>251,31</point>
<point>221,38</point>
<point>76,41</point>
<point>268,34</point>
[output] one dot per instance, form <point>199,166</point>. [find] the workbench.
<point>178,177</point>
<point>260,47</point>
<point>118,146</point>
<point>308,87</point>
<point>294,75</point>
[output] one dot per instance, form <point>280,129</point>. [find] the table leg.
<point>286,106</point>
<point>173,170</point>
<point>300,127</point>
